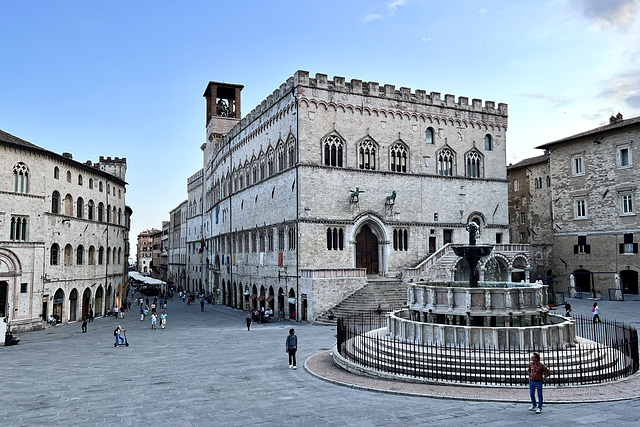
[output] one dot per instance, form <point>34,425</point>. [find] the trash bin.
<point>7,339</point>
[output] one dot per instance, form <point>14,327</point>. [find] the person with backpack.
<point>116,333</point>
<point>596,313</point>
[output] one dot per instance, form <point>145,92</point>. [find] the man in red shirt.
<point>538,372</point>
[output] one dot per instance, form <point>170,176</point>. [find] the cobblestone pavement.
<point>207,369</point>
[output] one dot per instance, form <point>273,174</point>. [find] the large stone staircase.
<point>391,294</point>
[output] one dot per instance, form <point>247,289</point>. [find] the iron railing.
<point>611,353</point>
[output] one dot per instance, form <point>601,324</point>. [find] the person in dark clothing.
<point>202,305</point>
<point>291,346</point>
<point>91,315</point>
<point>248,321</point>
<point>84,324</point>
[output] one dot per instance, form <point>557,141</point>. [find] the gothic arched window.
<point>446,161</point>
<point>20,178</point>
<point>398,156</point>
<point>367,155</point>
<point>333,151</point>
<point>68,205</point>
<point>488,142</point>
<point>473,164</point>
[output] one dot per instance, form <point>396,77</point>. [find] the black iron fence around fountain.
<point>610,353</point>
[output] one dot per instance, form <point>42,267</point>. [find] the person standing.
<point>90,315</point>
<point>84,324</point>
<point>291,346</point>
<point>202,305</point>
<point>248,321</point>
<point>153,320</point>
<point>567,309</point>
<point>538,372</point>
<point>596,313</point>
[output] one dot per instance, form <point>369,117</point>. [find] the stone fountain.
<point>473,253</point>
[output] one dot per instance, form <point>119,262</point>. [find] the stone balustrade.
<point>493,299</point>
<point>558,332</point>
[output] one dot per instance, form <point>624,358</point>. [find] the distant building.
<point>596,231</point>
<point>177,246</point>
<point>145,252</point>
<point>530,212</point>
<point>164,254</point>
<point>63,235</point>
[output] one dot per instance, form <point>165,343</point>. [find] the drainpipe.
<point>297,222</point>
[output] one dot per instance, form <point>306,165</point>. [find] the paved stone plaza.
<point>206,369</point>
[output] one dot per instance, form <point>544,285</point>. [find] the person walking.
<point>538,372</point>
<point>163,320</point>
<point>567,309</point>
<point>248,321</point>
<point>153,320</point>
<point>90,315</point>
<point>596,313</point>
<point>84,324</point>
<point>291,346</point>
<point>141,313</point>
<point>202,305</point>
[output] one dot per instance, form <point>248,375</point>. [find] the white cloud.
<point>608,13</point>
<point>393,5</point>
<point>426,39</point>
<point>623,89</point>
<point>371,17</point>
<point>482,11</point>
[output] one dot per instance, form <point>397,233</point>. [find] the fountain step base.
<point>377,355</point>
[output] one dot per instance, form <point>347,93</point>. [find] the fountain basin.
<point>477,251</point>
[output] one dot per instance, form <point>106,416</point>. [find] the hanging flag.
<point>202,246</point>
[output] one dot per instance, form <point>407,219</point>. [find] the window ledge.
<point>627,253</point>
<point>581,218</point>
<point>628,214</point>
<point>629,166</point>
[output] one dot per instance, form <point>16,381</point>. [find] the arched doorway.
<point>118,302</point>
<point>367,250</point>
<point>86,302</point>
<point>108,305</point>
<point>230,293</point>
<point>235,296</point>
<point>254,298</point>
<point>73,305</point>
<point>280,302</point>
<point>261,298</point>
<point>4,297</point>
<point>292,304</point>
<point>270,299</point>
<point>461,271</point>
<point>583,280</point>
<point>99,295</point>
<point>58,304</point>
<point>629,281</point>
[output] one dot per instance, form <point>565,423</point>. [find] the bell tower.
<point>223,109</point>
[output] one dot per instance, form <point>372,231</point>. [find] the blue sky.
<point>125,78</point>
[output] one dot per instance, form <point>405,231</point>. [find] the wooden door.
<point>367,250</point>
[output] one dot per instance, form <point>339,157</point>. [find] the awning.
<point>269,298</point>
<point>291,300</point>
<point>261,298</point>
<point>252,296</point>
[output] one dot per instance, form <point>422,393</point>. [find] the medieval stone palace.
<point>64,231</point>
<point>328,184</point>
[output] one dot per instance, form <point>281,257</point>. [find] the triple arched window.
<point>20,178</point>
<point>398,156</point>
<point>473,164</point>
<point>333,151</point>
<point>367,155</point>
<point>335,239</point>
<point>18,228</point>
<point>446,162</point>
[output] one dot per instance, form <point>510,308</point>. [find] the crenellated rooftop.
<point>358,87</point>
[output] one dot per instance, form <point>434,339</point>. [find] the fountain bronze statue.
<point>472,253</point>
